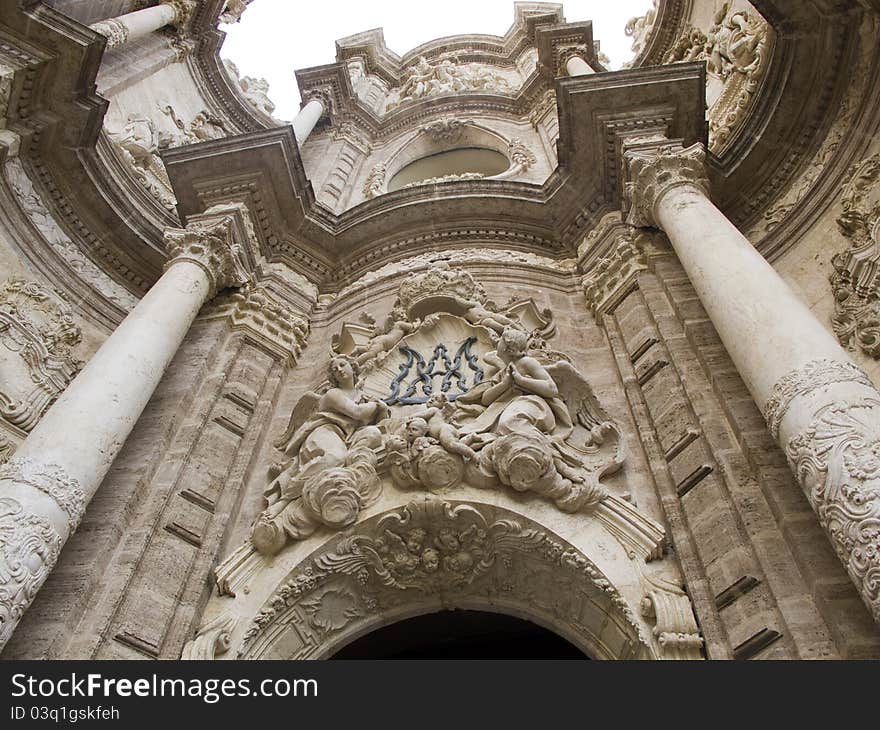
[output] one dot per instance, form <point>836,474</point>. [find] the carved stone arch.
<point>426,554</point>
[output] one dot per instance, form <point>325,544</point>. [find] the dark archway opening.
<point>461,635</point>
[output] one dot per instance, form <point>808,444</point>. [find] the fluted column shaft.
<point>307,118</point>
<point>140,23</point>
<point>46,486</point>
<point>823,410</point>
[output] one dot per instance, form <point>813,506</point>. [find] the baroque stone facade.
<point>479,330</point>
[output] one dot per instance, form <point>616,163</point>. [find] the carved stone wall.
<point>763,576</point>
<point>177,483</point>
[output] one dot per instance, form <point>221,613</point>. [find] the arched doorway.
<point>461,635</point>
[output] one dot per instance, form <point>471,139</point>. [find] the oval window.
<point>467,160</point>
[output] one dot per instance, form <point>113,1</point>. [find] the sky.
<point>275,37</point>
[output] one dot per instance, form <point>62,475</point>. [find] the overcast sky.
<point>277,36</point>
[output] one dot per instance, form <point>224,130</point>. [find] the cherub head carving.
<point>514,343</point>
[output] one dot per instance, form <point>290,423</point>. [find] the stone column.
<point>822,409</point>
<point>307,118</point>
<point>45,487</point>
<point>140,23</point>
<point>577,66</point>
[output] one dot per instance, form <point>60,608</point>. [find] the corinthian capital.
<point>656,166</point>
<point>221,241</point>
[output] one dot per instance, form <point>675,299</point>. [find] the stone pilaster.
<point>824,412</point>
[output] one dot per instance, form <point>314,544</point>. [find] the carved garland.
<point>813,375</point>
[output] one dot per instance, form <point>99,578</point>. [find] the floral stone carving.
<point>736,49</point>
<point>38,334</point>
<point>505,412</point>
<point>856,278</point>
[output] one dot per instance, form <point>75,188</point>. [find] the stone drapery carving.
<point>655,170</point>
<point>29,549</point>
<point>444,75</point>
<point>856,278</point>
<point>736,49</point>
<point>524,418</point>
<point>37,334</point>
<point>331,471</point>
<point>429,548</point>
<point>138,144</point>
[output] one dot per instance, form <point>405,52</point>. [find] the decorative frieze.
<point>608,278</point>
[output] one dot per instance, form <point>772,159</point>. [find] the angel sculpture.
<point>331,475</point>
<point>396,328</point>
<point>439,413</point>
<point>541,429</point>
<point>420,458</point>
<point>480,315</point>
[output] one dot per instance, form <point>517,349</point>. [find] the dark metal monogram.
<point>408,388</point>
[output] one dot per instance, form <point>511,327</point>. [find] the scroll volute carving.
<point>451,389</point>
<point>37,334</point>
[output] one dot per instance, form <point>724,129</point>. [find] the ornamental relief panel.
<point>856,278</point>
<point>450,388</point>
<point>37,334</point>
<point>428,555</point>
<point>737,49</point>
<point>446,75</point>
<point>395,478</point>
